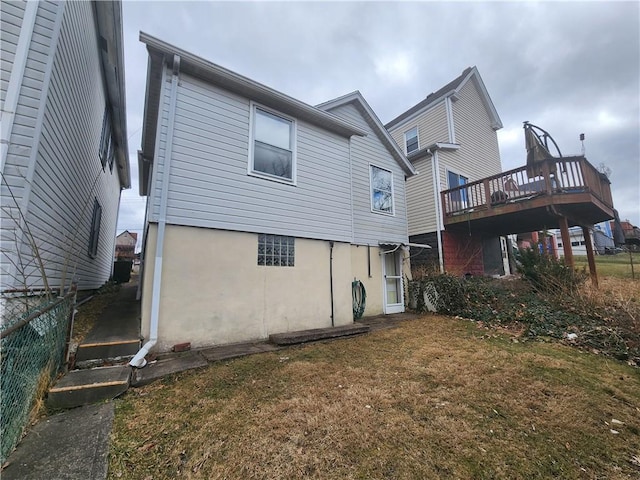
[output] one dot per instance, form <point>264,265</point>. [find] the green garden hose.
<point>359,296</point>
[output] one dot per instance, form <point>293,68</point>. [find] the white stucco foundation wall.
<point>214,293</point>
<point>374,283</point>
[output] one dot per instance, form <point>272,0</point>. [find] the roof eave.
<point>208,71</point>
<point>496,123</point>
<point>428,150</point>
<point>109,24</point>
<point>386,138</point>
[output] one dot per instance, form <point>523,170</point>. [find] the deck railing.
<point>551,177</point>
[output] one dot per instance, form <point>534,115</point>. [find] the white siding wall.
<point>432,127</point>
<point>21,148</point>
<point>209,185</point>
<point>478,156</point>
<point>67,174</point>
<point>420,199</point>
<point>369,227</point>
<point>11,14</point>
<point>24,126</point>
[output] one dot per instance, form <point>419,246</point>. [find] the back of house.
<point>450,137</point>
<point>262,210</point>
<point>64,144</point>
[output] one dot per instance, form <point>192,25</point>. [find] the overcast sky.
<point>569,67</point>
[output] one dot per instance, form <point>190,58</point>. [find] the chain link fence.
<point>33,343</point>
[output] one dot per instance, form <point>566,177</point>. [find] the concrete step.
<point>83,387</point>
<point>107,349</point>
<point>303,336</point>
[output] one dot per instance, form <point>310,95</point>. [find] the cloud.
<point>568,67</point>
<point>395,68</point>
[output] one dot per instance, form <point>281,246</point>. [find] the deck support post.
<point>566,241</point>
<point>590,256</point>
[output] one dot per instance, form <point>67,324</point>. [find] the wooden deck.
<point>529,199</point>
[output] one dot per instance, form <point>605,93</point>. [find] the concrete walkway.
<point>75,444</point>
<point>71,445</point>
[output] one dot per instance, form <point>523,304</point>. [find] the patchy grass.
<point>435,398</point>
<point>612,265</point>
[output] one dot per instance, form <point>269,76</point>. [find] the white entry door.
<point>504,245</point>
<point>393,291</point>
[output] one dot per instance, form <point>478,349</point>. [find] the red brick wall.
<point>462,253</point>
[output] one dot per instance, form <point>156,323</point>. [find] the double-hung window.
<point>105,138</point>
<point>411,140</point>
<point>272,153</point>
<point>94,233</point>
<point>111,155</point>
<point>381,190</point>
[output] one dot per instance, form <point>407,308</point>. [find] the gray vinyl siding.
<point>25,119</point>
<point>432,127</point>
<point>478,156</point>
<point>369,228</point>
<point>20,148</point>
<point>209,185</point>
<point>421,208</point>
<point>11,14</point>
<point>67,175</point>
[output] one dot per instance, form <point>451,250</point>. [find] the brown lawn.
<point>436,398</point>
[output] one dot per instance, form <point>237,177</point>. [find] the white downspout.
<point>436,194</point>
<point>138,360</point>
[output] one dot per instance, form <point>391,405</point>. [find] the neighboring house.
<point>630,232</point>
<point>450,138</point>
<point>126,245</point>
<point>64,143</point>
<point>261,209</point>
<point>601,239</point>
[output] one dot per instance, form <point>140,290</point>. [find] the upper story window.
<point>111,155</point>
<point>273,152</point>
<point>381,190</point>
<point>105,138</point>
<point>94,232</point>
<point>411,140</point>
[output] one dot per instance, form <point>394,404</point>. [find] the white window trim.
<point>393,192</point>
<point>405,139</point>
<point>450,123</point>
<point>294,145</point>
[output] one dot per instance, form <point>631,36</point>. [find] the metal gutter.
<point>197,66</point>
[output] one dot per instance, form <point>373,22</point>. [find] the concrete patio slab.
<point>161,368</point>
